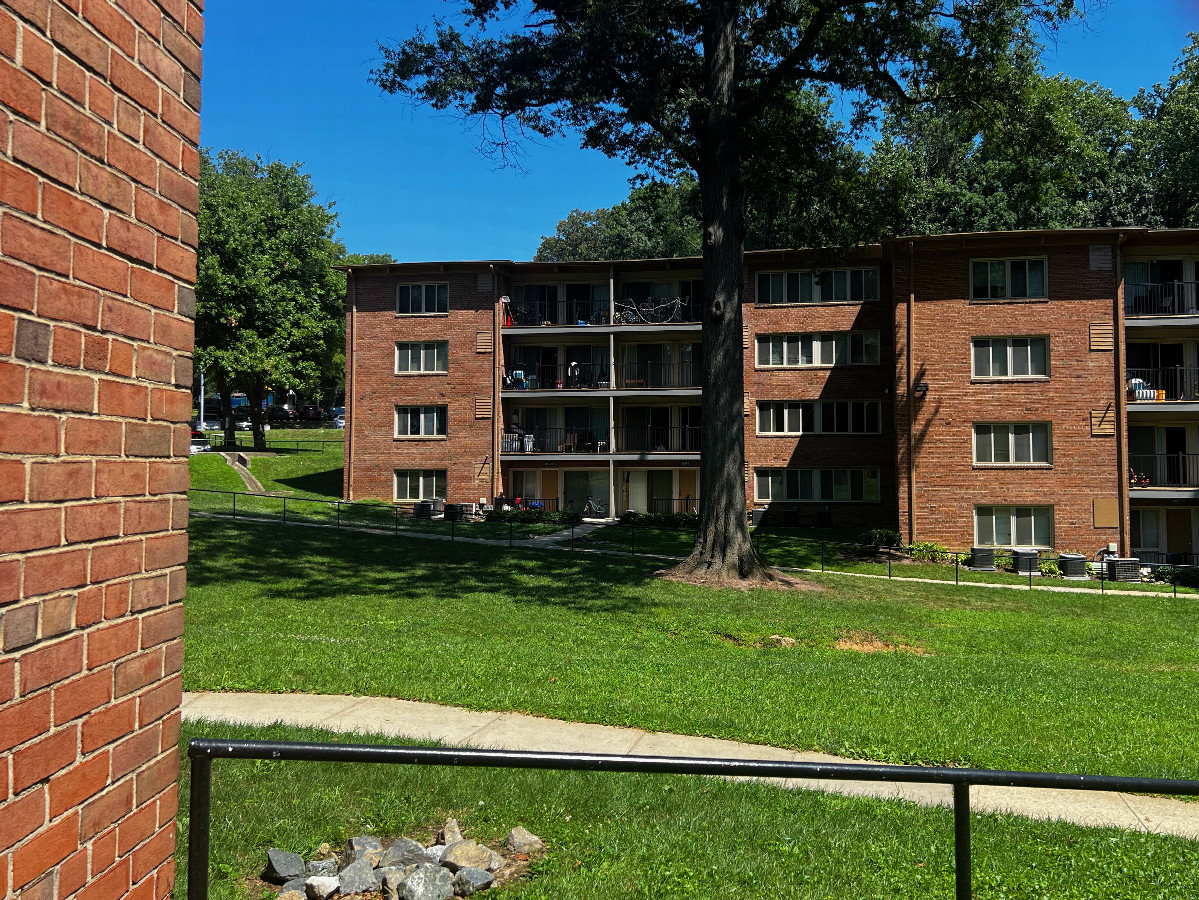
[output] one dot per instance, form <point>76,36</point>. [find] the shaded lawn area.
<point>997,679</point>
<point>801,548</point>
<point>612,835</point>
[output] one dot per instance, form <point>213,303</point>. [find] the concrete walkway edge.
<point>515,731</point>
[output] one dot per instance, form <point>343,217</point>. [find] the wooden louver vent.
<point>483,407</point>
<point>1103,336</point>
<point>744,337</point>
<point>747,405</point>
<point>1103,422</point>
<point>484,342</point>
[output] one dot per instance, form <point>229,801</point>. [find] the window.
<point>420,484</point>
<point>834,348</point>
<point>420,421</point>
<point>536,293</point>
<point>431,356</point>
<point>648,290</point>
<point>1007,279</point>
<point>824,417</point>
<point>833,485</point>
<point>1014,357</point>
<point>835,285</point>
<point>1015,443</point>
<point>422,299</point>
<point>1013,526</point>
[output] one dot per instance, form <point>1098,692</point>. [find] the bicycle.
<point>595,510</point>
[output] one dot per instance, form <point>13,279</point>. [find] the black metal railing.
<point>530,313</point>
<point>1160,559</point>
<point>658,311</point>
<point>1168,383</point>
<point>556,440</point>
<point>548,504</point>
<point>658,439</point>
<point>557,377</point>
<point>202,751</point>
<point>1175,298</point>
<point>666,505</point>
<point>1163,470</point>
<point>631,376</point>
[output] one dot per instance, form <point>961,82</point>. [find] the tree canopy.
<point>268,301</point>
<point>709,87</point>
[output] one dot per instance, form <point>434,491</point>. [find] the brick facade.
<point>98,234</point>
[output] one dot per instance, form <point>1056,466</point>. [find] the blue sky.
<point>287,79</point>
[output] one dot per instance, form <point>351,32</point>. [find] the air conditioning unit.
<point>1123,569</point>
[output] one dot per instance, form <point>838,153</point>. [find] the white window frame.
<point>816,349</point>
<point>1006,266</point>
<point>816,286</point>
<point>426,480</point>
<point>793,413</point>
<point>1010,357</point>
<point>1019,439</point>
<point>440,299</point>
<point>818,485</point>
<point>989,535</point>
<point>437,414</point>
<point>440,353</point>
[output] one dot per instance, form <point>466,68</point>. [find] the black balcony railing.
<point>530,313</point>
<point>657,375</point>
<point>569,377</point>
<point>658,439</point>
<point>1159,558</point>
<point>1176,298</point>
<point>1163,470</point>
<point>658,311</point>
<point>1168,383</point>
<point>667,505</point>
<point>556,440</point>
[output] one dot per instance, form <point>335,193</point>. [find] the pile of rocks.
<point>404,870</point>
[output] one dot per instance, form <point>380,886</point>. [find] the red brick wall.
<point>99,122</point>
<point>375,390</point>
<point>948,485</point>
<point>822,383</point>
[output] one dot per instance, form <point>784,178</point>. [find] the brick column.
<point>99,121</point>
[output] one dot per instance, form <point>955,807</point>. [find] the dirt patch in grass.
<point>869,642</point>
<point>775,580</point>
<point>774,641</point>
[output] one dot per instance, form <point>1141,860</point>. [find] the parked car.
<point>339,421</point>
<point>199,442</point>
<point>335,411</point>
<point>281,412</point>
<point>312,413</point>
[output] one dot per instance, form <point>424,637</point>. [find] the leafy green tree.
<point>1170,117</point>
<point>268,301</point>
<point>683,86</point>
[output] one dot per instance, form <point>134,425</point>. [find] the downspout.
<point>351,381</point>
<point>911,400</point>
<point>497,412</point>
<point>1121,405</point>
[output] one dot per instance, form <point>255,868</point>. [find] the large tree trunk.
<point>722,551</point>
<point>256,393</point>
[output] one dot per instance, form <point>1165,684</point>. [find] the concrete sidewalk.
<point>514,731</point>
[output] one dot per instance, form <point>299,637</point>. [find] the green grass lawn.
<point>808,548</point>
<point>641,836</point>
<point>1002,679</point>
<point>209,471</point>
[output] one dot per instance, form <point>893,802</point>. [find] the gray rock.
<point>404,852</point>
<point>470,854</point>
<point>322,867</point>
<point>282,866</point>
<point>435,852</point>
<point>426,882</point>
<point>367,847</point>
<point>450,832</point>
<point>318,887</point>
<point>392,876</point>
<point>292,895</point>
<point>295,884</point>
<point>469,880</point>
<point>358,876</point>
<point>520,840</point>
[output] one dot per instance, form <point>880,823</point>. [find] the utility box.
<point>1123,569</point>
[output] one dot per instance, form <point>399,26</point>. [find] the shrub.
<point>881,537</point>
<point>1050,567</point>
<point>1165,573</point>
<point>661,520</point>
<point>928,551</point>
<point>1003,560</point>
<point>565,518</point>
<point>1186,576</point>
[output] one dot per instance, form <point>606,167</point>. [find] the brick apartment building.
<point>1035,389</point>
<point>99,105</point>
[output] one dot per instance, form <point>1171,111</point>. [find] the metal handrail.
<point>658,311</point>
<point>1163,470</point>
<point>530,313</point>
<point>556,377</point>
<point>657,375</point>
<point>202,751</point>
<point>1174,298</point>
<point>658,439</point>
<point>1175,383</point>
<point>556,440</point>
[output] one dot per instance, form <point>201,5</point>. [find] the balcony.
<point>1173,383</point>
<point>529,314</point>
<point>570,377</point>
<point>556,440</point>
<point>659,311</point>
<point>1163,470</point>
<point>1176,298</point>
<point>651,375</point>
<point>658,439</point>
